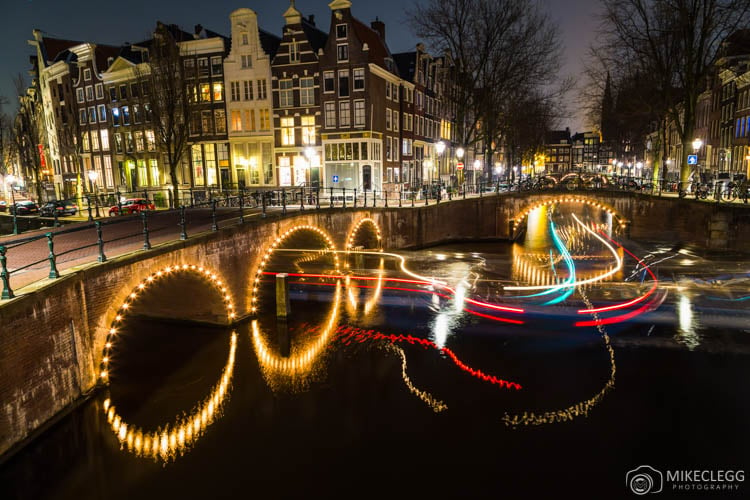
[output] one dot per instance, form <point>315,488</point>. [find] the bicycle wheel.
<point>731,194</point>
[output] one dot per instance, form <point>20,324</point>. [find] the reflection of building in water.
<point>173,439</point>
<point>302,358</point>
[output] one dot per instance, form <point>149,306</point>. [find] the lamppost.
<point>439,149</point>
<point>697,143</point>
<point>10,180</point>
<point>460,174</point>
<point>93,176</point>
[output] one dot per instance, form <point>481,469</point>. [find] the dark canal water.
<point>394,384</point>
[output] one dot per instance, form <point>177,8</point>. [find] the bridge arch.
<point>524,211</point>
<point>209,276</point>
<point>329,246</point>
<point>358,226</point>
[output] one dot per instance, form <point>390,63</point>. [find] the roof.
<point>316,37</point>
<point>53,47</point>
<point>378,52</point>
<point>269,42</point>
<point>103,53</point>
<point>557,136</point>
<point>406,62</point>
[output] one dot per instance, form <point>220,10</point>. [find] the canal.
<point>548,366</point>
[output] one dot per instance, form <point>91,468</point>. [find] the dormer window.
<point>343,52</point>
<point>341,31</point>
<point>245,39</point>
<point>87,75</point>
<point>294,52</point>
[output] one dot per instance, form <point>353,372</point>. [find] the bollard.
<point>317,198</point>
<point>214,225</point>
<point>100,242</point>
<point>146,242</point>
<point>282,295</point>
<point>355,197</point>
<point>242,208</point>
<point>183,230</point>
<point>88,202</point>
<point>5,275</point>
<point>263,205</point>
<point>374,198</point>
<point>57,218</point>
<point>283,201</point>
<point>52,266</point>
<point>119,203</point>
<point>386,199</point>
<point>364,203</point>
<point>400,195</point>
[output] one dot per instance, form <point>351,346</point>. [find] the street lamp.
<point>93,176</point>
<point>439,149</point>
<point>460,154</point>
<point>10,179</point>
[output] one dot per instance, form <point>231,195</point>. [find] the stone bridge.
<point>54,337</point>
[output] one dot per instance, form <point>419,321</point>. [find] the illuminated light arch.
<point>211,277</point>
<point>298,363</point>
<point>167,441</point>
<point>330,247</point>
<point>355,230</point>
<point>580,200</point>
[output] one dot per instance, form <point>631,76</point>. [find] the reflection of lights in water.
<point>167,442</point>
<point>440,256</point>
<point>211,277</point>
<point>372,302</point>
<point>687,333</point>
<point>459,297</point>
<point>536,229</point>
<point>301,360</point>
<point>436,405</point>
<point>441,330</point>
<point>581,409</point>
<point>350,334</point>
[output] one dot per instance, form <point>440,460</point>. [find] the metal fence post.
<point>100,242</point>
<point>331,197</point>
<point>317,197</point>
<point>301,199</point>
<point>283,201</point>
<point>364,203</point>
<point>400,195</point>
<point>4,275</point>
<point>88,202</point>
<point>52,266</point>
<point>263,205</point>
<point>412,198</point>
<point>214,225</point>
<point>146,242</point>
<point>386,198</point>
<point>183,230</point>
<point>343,197</point>
<point>374,198</point>
<point>242,208</point>
<point>480,189</point>
<point>57,217</point>
<point>426,197</point>
<point>355,197</point>
<point>119,203</point>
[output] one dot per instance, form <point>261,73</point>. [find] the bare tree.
<point>170,103</point>
<point>5,137</point>
<point>675,42</point>
<point>27,133</point>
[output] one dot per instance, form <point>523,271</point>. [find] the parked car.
<point>63,207</point>
<point>26,207</point>
<point>132,206</point>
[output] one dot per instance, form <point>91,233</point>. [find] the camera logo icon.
<point>644,479</point>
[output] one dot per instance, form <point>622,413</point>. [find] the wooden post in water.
<point>282,295</point>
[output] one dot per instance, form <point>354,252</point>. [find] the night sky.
<point>114,23</point>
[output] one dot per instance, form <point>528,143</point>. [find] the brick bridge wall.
<point>51,339</point>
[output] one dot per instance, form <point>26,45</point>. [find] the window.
<point>235,90</point>
<point>262,90</point>
<point>217,68</point>
<point>94,140</point>
<point>293,52</point>
<point>236,121</point>
<point>395,92</point>
<point>99,91</point>
<point>245,39</point>
<point>388,149</point>
<point>218,91</point>
<point>220,118</point>
<point>388,119</point>
<point>146,88</point>
<point>359,79</point>
<point>112,94</point>
<point>137,115</point>
<point>102,113</point>
<point>246,61</point>
<point>286,94</point>
<point>118,143</point>
<point>308,130</point>
<point>344,114</point>
<point>147,113</point>
<point>359,113</point>
<point>85,142</point>
<point>150,140</point>
<point>396,119</point>
<point>250,120</point>
<point>87,75</point>
<point>342,51</point>
<point>406,147</point>
<point>129,142</point>
<point>340,31</point>
<point>140,145</point>
<point>105,139</point>
<point>344,83</point>
<point>387,90</point>
<point>115,117</point>
<point>265,119</point>
<point>89,93</point>
<point>79,95</point>
<point>248,84</point>
<point>328,82</point>
<point>203,66</point>
<point>207,126</point>
<point>307,91</point>
<point>205,92</point>
<point>330,114</point>
<point>189,68</point>
<point>92,114</point>
<point>135,90</point>
<point>287,131</point>
<point>155,176</point>
<point>125,115</point>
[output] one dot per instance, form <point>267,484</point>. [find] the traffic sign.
<point>335,179</point>
<point>460,165</point>
<point>692,159</point>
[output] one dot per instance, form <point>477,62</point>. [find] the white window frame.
<point>330,114</point>
<point>345,114</point>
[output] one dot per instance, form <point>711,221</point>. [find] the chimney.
<point>198,29</point>
<point>378,26</point>
<point>311,19</point>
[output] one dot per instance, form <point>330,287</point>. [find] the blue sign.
<point>692,159</point>
<point>335,179</point>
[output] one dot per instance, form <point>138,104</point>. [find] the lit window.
<point>307,91</point>
<point>125,115</point>
<point>150,140</point>
<point>218,91</point>
<point>308,130</point>
<point>220,118</point>
<point>207,126</point>
<point>236,121</point>
<point>205,92</point>
<point>105,139</point>
<point>287,131</point>
<point>115,117</point>
<point>265,119</point>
